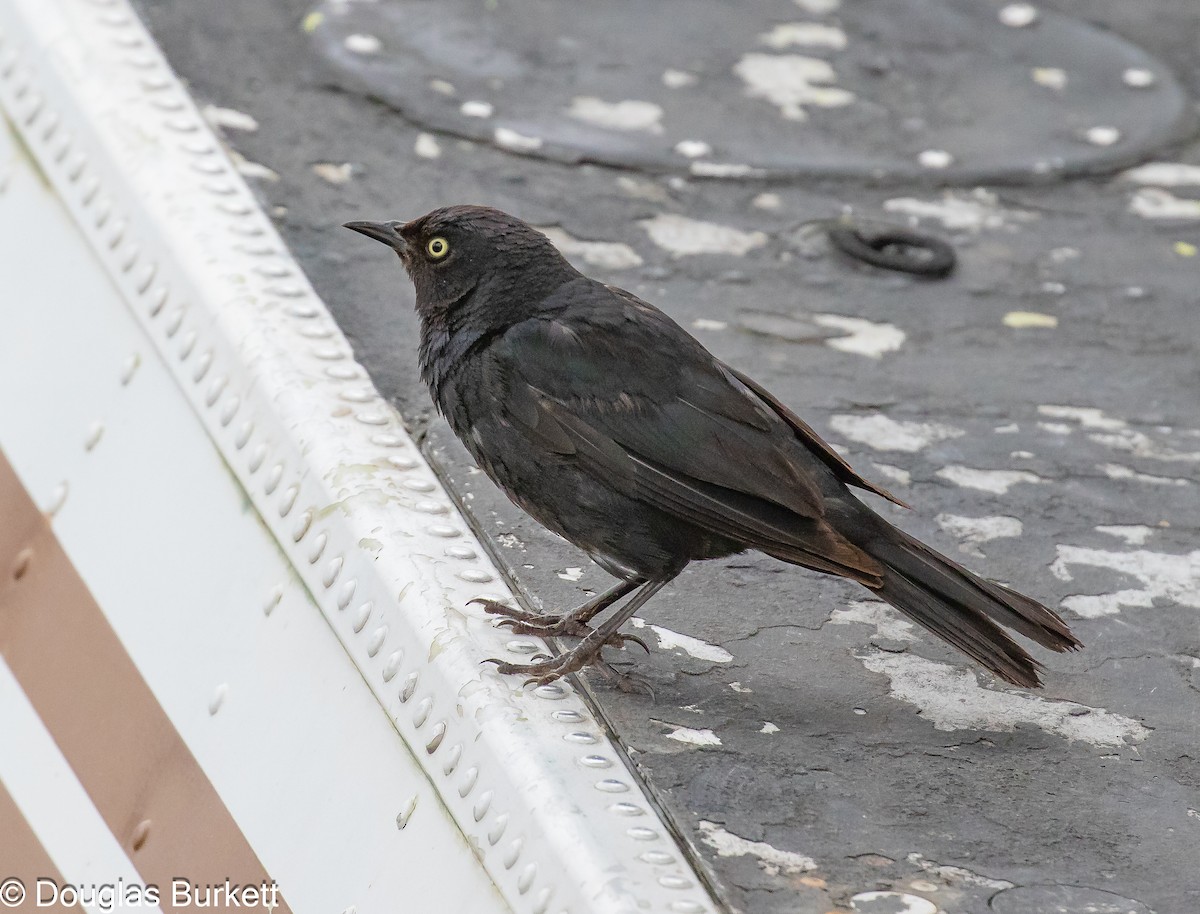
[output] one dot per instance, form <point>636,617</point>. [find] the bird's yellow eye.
<point>437,248</point>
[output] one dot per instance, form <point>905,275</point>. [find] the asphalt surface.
<point>1038,408</point>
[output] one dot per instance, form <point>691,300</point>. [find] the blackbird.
<point>612,426</point>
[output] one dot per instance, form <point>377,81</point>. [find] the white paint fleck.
<point>1051,77</point>
<point>767,201</point>
<point>1019,15</point>
<point>884,434</point>
<point>804,34</point>
<point>768,727</point>
<point>1055,428</point>
<point>1164,174</point>
<point>683,236</point>
<point>427,146</point>
<point>642,189</point>
<point>1010,429</point>
<point>863,337</point>
<point>518,142</point>
<point>935,158</point>
<point>334,173</point>
<point>912,904</point>
<point>818,7</point>
<point>476,108</point>
<point>704,323</point>
<point>1102,136</point>
<point>610,255</point>
<point>771,859</point>
<point>442,87</point>
<point>1156,203</point>
<point>1086,416</point>
<point>895,474</point>
<point>1116,433</point>
<point>1021,455</point>
<point>958,874</point>
<point>678,79</point>
<point>972,531</point>
<point>724,170</point>
<point>571,574</point>
<point>362,44</point>
<point>952,699</point>
<point>694,647</point>
<point>248,169</point>
<point>1132,534</point>
<point>997,482</point>
<point>693,149</point>
<point>791,81</point>
<point>888,624</point>
<point>1164,576</point>
<point>693,737</point>
<point>973,211</point>
<point>1138,78</point>
<point>1116,471</point>
<point>229,118</point>
<point>1025,320</point>
<point>629,114</point>
<point>738,687</point>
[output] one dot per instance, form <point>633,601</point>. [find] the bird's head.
<point>455,251</point>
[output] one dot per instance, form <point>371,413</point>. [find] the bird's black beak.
<point>385,232</point>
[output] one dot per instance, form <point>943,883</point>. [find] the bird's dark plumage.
<point>615,428</point>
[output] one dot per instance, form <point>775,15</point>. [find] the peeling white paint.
<point>768,728</point>
<point>629,114</point>
<point>804,34</point>
<point>888,623</point>
<point>952,699</point>
<point>972,211</point>
<point>725,170</point>
<point>1050,77</point>
<point>1018,15</point>
<point>1164,576</point>
<point>767,201</point>
<point>895,474</point>
<point>694,647</point>
<point>771,859</point>
<point>1086,416</point>
<point>1164,174</point>
<point>334,173</point>
<point>229,118</point>
<point>611,255</point>
<point>1102,136</point>
<point>683,236</point>
<point>678,79</point>
<point>958,874</point>
<point>476,108</point>
<point>997,482</point>
<point>791,81</point>
<point>738,687</point>
<point>818,7</point>
<point>571,574</point>
<point>518,142</point>
<point>694,737</point>
<point>935,158</point>
<point>1116,471</point>
<point>896,902</point>
<point>864,337</point>
<point>362,44</point>
<point>884,434</point>
<point>704,323</point>
<point>1138,78</point>
<point>693,149</point>
<point>1132,534</point>
<point>248,169</point>
<point>1156,203</point>
<point>427,146</point>
<point>1055,428</point>
<point>972,531</point>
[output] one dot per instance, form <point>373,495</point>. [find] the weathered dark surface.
<point>885,768</point>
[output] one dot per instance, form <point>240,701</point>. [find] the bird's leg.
<point>588,650</point>
<point>574,623</point>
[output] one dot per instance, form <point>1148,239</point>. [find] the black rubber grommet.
<point>893,247</point>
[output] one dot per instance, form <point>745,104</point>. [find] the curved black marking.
<point>893,247</point>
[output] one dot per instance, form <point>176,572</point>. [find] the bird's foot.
<point>496,608</point>
<point>586,653</point>
<point>549,626</point>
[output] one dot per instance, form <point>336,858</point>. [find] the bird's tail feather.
<point>963,608</point>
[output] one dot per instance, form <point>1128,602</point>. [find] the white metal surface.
<point>541,797</point>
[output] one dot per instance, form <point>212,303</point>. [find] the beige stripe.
<point>143,779</point>
<point>23,857</point>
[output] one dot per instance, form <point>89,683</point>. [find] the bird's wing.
<point>628,393</point>
<point>811,440</point>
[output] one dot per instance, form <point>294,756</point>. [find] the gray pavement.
<point>1039,409</point>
